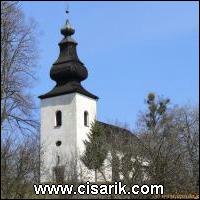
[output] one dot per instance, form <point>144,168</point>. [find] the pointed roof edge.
<point>56,92</point>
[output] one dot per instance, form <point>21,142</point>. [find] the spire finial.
<point>67,8</point>
<point>67,30</point>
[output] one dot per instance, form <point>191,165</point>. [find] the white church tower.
<point>67,112</point>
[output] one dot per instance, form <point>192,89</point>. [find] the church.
<point>67,112</point>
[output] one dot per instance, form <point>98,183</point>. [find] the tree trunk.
<point>95,176</point>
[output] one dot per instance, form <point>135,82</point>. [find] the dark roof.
<point>115,128</point>
<point>118,135</point>
<point>67,89</point>
<point>68,71</point>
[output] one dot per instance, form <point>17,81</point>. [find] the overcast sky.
<point>129,49</point>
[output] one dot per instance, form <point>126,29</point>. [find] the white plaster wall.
<point>50,134</point>
<point>71,133</point>
<point>83,104</point>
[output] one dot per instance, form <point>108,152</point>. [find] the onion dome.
<point>68,71</point>
<point>68,67</point>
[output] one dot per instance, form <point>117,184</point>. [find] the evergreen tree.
<point>95,148</point>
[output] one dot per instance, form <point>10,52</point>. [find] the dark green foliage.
<point>96,148</point>
<point>127,165</point>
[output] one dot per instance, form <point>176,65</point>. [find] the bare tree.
<point>18,56</point>
<point>187,122</point>
<point>19,154</point>
<point>19,167</point>
<point>169,136</point>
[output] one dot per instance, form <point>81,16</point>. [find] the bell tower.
<point>67,112</point>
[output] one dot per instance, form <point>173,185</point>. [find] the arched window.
<point>86,118</point>
<point>58,118</point>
